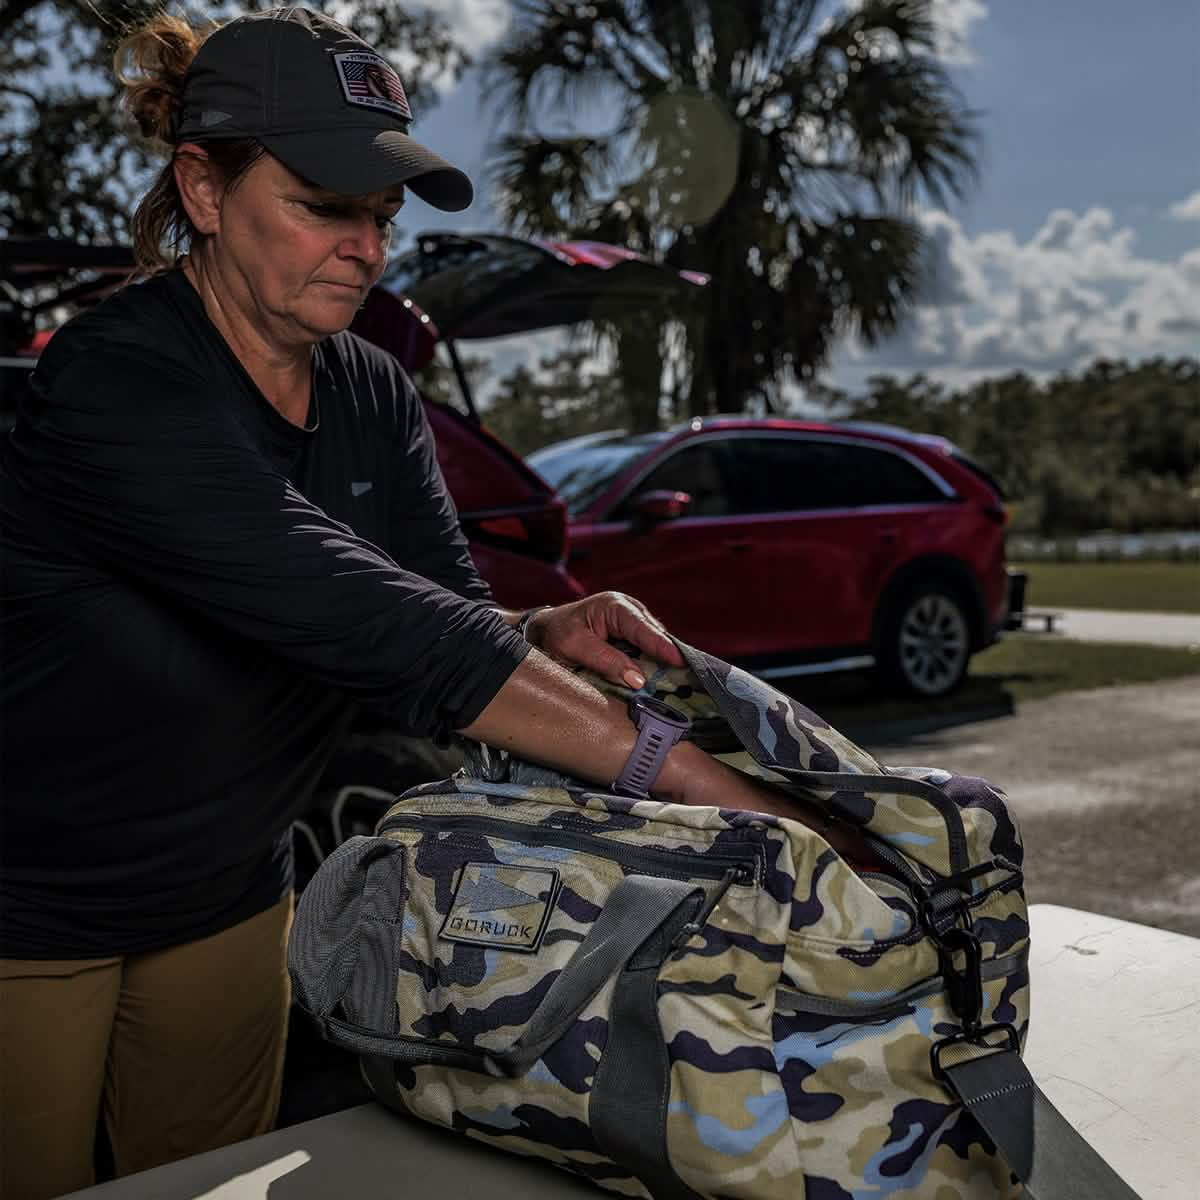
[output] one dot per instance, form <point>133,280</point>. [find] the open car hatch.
<point>488,285</point>
<point>477,286</point>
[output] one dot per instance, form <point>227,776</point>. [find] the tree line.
<point>1114,446</point>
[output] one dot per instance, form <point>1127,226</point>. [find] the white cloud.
<point>1186,210</point>
<point>1075,290</point>
<point>476,24</point>
<point>954,20</point>
<point>957,275</point>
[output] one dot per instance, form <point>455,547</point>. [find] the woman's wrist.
<point>524,624</point>
<point>688,776</point>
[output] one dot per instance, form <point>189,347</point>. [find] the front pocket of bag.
<point>495,909</point>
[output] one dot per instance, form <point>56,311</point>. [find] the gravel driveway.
<point>1106,785</point>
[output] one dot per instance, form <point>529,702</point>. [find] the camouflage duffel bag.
<point>683,1002</point>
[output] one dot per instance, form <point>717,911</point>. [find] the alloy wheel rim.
<point>933,643</point>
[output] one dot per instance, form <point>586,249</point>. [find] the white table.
<point>1114,1042</point>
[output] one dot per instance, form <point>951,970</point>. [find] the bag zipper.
<point>916,886</point>
<point>746,869</point>
<point>794,1000</point>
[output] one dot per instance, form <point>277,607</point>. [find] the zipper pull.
<point>741,873</point>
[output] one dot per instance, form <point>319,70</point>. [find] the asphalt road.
<point>1106,786</point>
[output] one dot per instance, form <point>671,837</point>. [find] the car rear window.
<point>582,471</point>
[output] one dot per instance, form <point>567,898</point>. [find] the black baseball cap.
<point>320,100</point>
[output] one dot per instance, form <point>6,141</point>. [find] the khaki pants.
<point>183,1046</point>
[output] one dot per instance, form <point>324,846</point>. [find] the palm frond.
<point>870,100</point>
<point>561,53</point>
<point>545,186</point>
<point>871,268</point>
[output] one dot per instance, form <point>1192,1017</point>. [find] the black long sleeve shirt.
<point>196,595</point>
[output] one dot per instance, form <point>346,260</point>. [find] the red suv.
<point>794,546</point>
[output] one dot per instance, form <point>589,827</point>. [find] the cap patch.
<point>504,907</point>
<point>369,81</point>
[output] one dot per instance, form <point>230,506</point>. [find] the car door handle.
<point>887,536</point>
<point>739,545</point>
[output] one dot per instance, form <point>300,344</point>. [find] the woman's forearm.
<point>548,715</point>
<point>551,716</point>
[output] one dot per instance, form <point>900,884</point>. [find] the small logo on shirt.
<point>507,908</point>
<point>361,487</point>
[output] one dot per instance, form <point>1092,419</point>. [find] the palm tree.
<point>777,149</point>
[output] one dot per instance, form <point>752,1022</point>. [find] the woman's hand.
<point>579,633</point>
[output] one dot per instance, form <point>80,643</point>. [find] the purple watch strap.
<point>655,738</point>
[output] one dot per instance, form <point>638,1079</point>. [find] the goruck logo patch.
<point>369,80</point>
<point>507,908</point>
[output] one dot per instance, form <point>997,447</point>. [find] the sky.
<point>1081,238</point>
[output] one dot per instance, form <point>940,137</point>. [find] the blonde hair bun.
<point>151,63</point>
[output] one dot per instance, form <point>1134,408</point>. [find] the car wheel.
<point>926,644</point>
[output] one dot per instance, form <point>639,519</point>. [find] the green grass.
<point>1029,668</point>
<point>1122,586</point>
<point>1017,669</point>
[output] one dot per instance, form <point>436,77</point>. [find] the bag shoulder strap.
<point>1045,1152</point>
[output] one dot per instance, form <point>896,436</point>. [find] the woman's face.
<point>298,259</point>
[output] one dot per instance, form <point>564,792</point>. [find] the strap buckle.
<point>974,1037</point>
<point>964,988</point>
<point>945,915</point>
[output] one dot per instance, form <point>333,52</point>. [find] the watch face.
<point>664,712</point>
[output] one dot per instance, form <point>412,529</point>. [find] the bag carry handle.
<point>636,909</point>
<point>1041,1147</point>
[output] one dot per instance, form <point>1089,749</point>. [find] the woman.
<point>199,593</point>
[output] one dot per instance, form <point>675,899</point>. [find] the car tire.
<point>925,641</point>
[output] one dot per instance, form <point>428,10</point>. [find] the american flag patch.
<point>370,81</point>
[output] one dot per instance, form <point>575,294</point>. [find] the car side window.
<point>700,470</point>
<point>796,474</point>
<point>886,478</point>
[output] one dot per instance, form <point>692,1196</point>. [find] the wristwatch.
<point>659,727</point>
<point>523,620</point>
